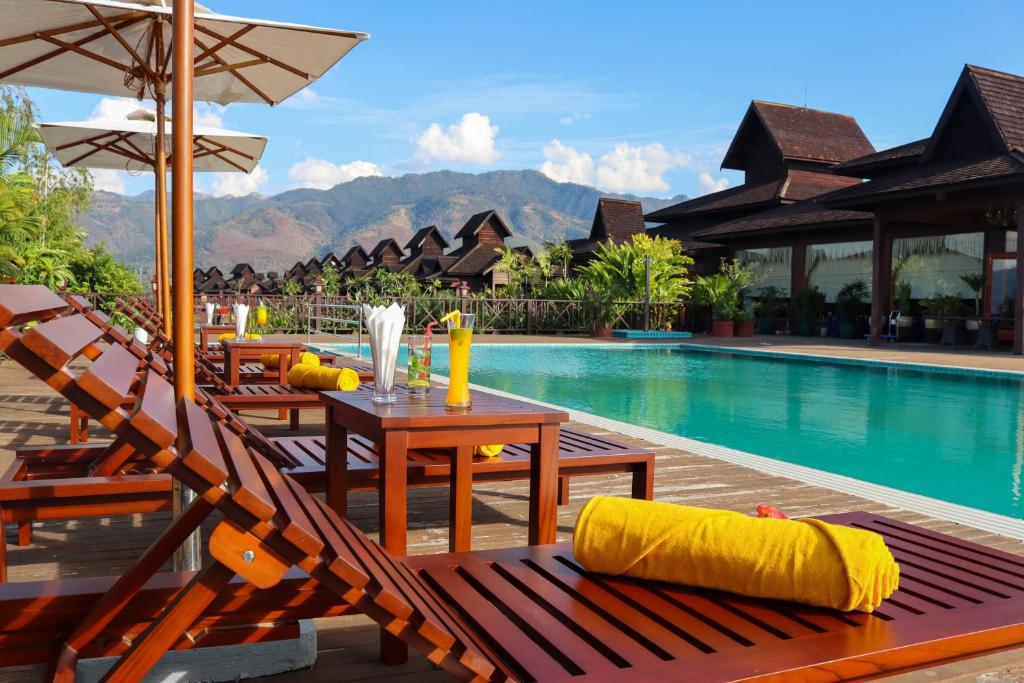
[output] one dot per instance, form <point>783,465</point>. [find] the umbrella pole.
<point>160,171</point>
<point>188,557</point>
<point>158,255</point>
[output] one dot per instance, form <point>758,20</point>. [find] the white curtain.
<point>771,267</point>
<point>933,265</point>
<point>831,266</point>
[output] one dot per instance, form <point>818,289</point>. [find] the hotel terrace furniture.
<point>413,422</point>
<point>518,614</point>
<point>67,482</point>
<point>212,330</point>
<point>238,351</point>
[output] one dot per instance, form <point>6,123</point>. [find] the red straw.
<point>429,326</point>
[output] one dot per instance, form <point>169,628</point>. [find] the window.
<point>771,267</point>
<point>932,265</point>
<point>831,266</point>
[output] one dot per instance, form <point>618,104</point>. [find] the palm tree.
<point>560,253</point>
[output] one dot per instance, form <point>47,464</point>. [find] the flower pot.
<point>805,329</point>
<point>601,330</point>
<point>721,328</point>
<point>743,328</point>
<point>765,326</point>
<point>848,330</point>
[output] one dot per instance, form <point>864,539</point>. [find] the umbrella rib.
<point>85,53</point>
<point>76,143</point>
<point>126,139</point>
<point>256,53</point>
<point>224,41</point>
<point>50,55</point>
<point>124,43</point>
<point>70,28</point>
<point>109,146</point>
<point>225,148</point>
<point>237,75</point>
<point>210,70</point>
<point>207,152</point>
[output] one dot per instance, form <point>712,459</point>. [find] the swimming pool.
<point>958,438</point>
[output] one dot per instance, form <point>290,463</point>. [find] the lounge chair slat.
<point>199,449</point>
<point>110,378</point>
<point>247,485</point>
<point>154,415</point>
<point>291,521</point>
<point>20,304</point>
<point>58,341</point>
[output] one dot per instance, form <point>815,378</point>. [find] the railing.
<point>335,314</point>
<point>335,319</point>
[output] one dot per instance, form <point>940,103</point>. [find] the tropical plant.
<point>381,286</point>
<point>718,292</point>
<point>331,278</point>
<point>976,282</point>
<point>808,304</point>
<point>291,287</point>
<point>769,303</point>
<point>514,265</point>
<point>944,306</point>
<point>96,270</point>
<point>903,291</point>
<point>850,301</point>
<point>560,253</point>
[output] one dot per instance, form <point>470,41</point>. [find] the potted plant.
<point>938,308</point>
<point>600,307</point>
<point>976,282</point>
<point>743,323</point>
<point>808,303</point>
<point>850,307</point>
<point>766,310</point>
<point>905,324</point>
<point>717,292</point>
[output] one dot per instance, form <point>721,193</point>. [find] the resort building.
<point>615,220</point>
<point>426,260</point>
<point>473,262</point>
<point>355,262</point>
<point>387,254</point>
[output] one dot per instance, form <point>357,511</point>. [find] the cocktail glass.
<point>459,341</point>
<point>419,365</point>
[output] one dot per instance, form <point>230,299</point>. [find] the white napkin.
<point>241,313</point>
<point>209,313</point>
<point>142,336</point>
<point>384,326</point>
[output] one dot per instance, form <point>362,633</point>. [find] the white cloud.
<point>118,108</point>
<point>572,118</point>
<point>623,169</point>
<point>239,184</point>
<point>564,164</point>
<point>470,141</point>
<point>710,184</point>
<point>321,174</point>
<point>108,180</point>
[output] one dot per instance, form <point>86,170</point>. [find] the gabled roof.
<point>477,221</point>
<point>355,251</point>
<point>330,257</point>
<point>386,244</point>
<point>240,268</point>
<point>998,96</point>
<point>617,220</point>
<point>312,266</point>
<point>422,234</point>
<point>796,186</point>
<point>894,158</point>
<point>789,217</point>
<point>799,133</point>
<point>214,270</point>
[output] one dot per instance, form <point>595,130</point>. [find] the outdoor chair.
<point>75,481</point>
<point>528,613</point>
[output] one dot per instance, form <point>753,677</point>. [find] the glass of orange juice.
<point>460,338</point>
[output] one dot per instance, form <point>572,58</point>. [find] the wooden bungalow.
<point>331,259</point>
<point>212,282</point>
<point>615,220</point>
<point>787,154</point>
<point>951,206</point>
<point>242,271</point>
<point>474,260</point>
<point>355,262</point>
<point>296,272</point>
<point>387,254</point>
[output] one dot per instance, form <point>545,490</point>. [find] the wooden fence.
<point>291,314</point>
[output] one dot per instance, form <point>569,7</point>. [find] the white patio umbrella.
<point>124,48</point>
<point>130,144</point>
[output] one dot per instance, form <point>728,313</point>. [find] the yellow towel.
<point>323,378</point>
<point>489,451</point>
<point>803,560</point>
<point>273,361</point>
<point>231,335</point>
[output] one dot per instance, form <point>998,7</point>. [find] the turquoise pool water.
<point>956,438</point>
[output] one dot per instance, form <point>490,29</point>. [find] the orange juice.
<point>459,340</point>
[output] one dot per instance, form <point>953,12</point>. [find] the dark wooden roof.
<point>241,268</point>
<point>387,250</point>
<point>416,243</point>
<point>802,215</point>
<point>478,221</point>
<point>617,219</point>
<point>886,161</point>
<point>472,259</point>
<point>800,134</point>
<point>796,186</point>
<point>214,270</point>
<point>355,251</point>
<point>332,258</point>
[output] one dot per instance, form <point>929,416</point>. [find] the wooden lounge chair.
<point>67,482</point>
<point>523,614</point>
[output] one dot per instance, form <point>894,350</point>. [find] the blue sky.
<point>638,97</point>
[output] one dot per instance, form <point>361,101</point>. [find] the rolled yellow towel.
<point>804,560</point>
<point>489,451</point>
<point>311,359</point>
<point>272,361</point>
<point>297,374</point>
<point>323,378</point>
<point>231,335</point>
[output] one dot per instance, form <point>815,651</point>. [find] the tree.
<point>331,278</point>
<point>291,287</point>
<point>560,253</point>
<point>619,268</point>
<point>96,270</point>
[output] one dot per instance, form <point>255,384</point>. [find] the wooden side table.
<point>237,351</point>
<point>206,331</point>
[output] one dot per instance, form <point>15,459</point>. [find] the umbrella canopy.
<point>130,144</point>
<point>118,48</point>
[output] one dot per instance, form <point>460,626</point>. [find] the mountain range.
<point>272,233</point>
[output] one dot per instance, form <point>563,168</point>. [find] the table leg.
<point>393,521</point>
<point>392,487</point>
<point>460,506</point>
<point>544,486</point>
<point>336,457</point>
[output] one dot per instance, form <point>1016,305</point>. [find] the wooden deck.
<point>30,413</point>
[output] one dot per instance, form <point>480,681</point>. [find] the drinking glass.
<point>419,365</point>
<point>459,341</point>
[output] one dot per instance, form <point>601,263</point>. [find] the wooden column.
<point>797,276</point>
<point>1018,304</point>
<point>189,556</point>
<point>160,174</point>
<point>881,279</point>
